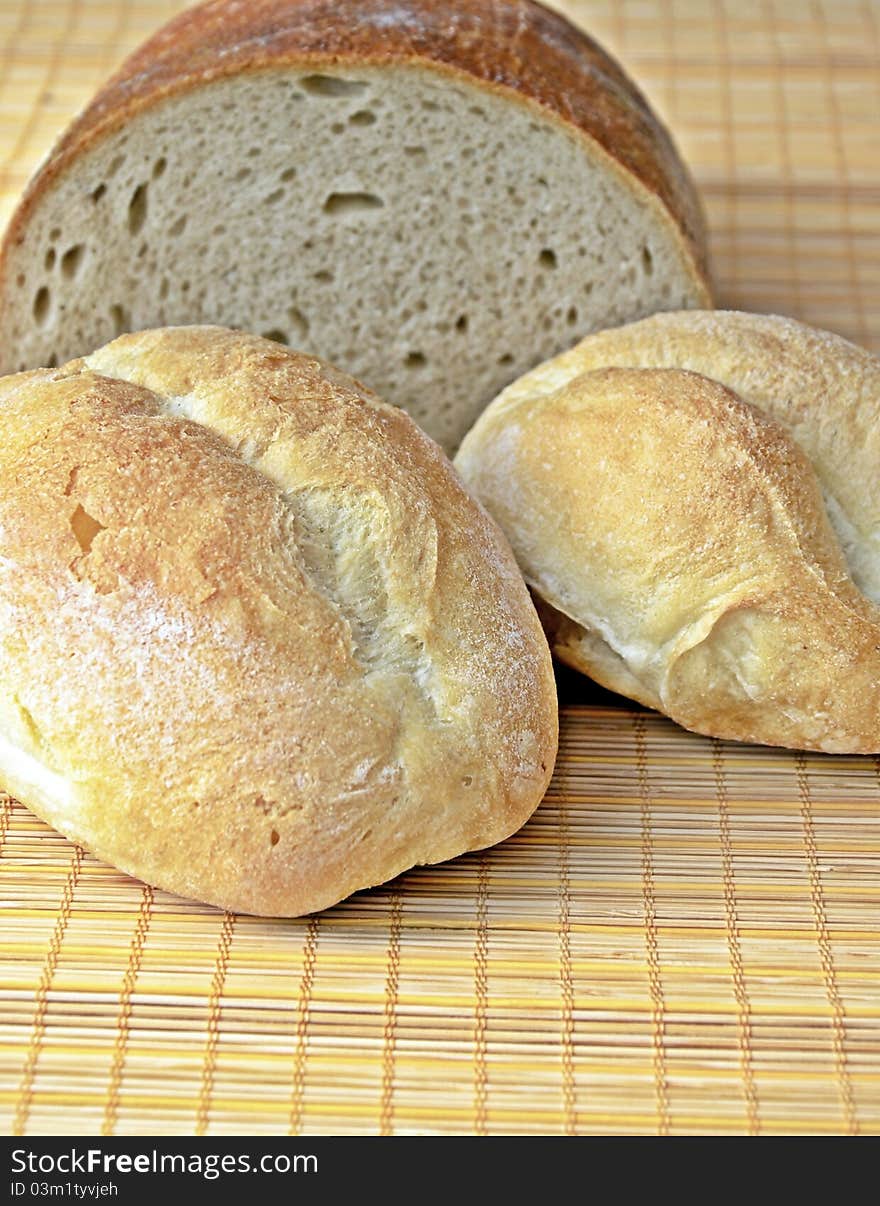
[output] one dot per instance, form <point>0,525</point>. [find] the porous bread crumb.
<point>431,237</point>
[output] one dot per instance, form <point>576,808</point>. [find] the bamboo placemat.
<point>685,938</point>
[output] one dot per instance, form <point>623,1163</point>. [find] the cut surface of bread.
<point>433,220</point>
<point>694,500</point>
<point>257,644</point>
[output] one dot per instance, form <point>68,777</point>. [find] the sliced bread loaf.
<point>434,196</point>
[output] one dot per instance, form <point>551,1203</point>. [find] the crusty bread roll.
<point>257,644</point>
<point>434,196</point>
<point>695,500</point>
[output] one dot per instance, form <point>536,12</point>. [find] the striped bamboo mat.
<point>685,938</point>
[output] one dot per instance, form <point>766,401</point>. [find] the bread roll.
<point>695,501</point>
<point>433,196</point>
<point>257,644</point>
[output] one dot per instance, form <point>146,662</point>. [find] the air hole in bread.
<point>30,725</point>
<point>467,780</point>
<point>571,316</point>
<point>159,167</point>
<point>647,261</point>
<point>416,360</point>
<point>299,322</point>
<point>352,203</point>
<point>98,192</point>
<point>242,173</point>
<point>363,117</point>
<point>277,335</point>
<point>337,127</point>
<point>324,277</point>
<point>72,260</point>
<point>507,358</point>
<point>547,258</point>
<point>119,318</point>
<point>274,196</point>
<point>288,173</point>
<point>115,165</point>
<point>254,151</point>
<point>178,227</point>
<point>85,528</point>
<point>52,362</point>
<point>137,209</point>
<point>54,234</point>
<point>461,323</point>
<point>42,304</point>
<point>274,837</point>
<point>415,152</point>
<point>49,260</point>
<point>163,288</point>
<point>331,85</point>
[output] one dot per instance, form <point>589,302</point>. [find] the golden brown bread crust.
<point>675,531</point>
<point>511,46</point>
<point>822,389</point>
<point>257,644</point>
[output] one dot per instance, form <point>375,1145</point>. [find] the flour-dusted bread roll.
<point>434,196</point>
<point>695,499</point>
<point>257,644</point>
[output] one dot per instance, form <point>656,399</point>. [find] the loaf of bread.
<point>435,197</point>
<point>257,644</point>
<point>695,500</point>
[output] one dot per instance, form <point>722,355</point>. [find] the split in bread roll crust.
<point>695,501</point>
<point>257,644</point>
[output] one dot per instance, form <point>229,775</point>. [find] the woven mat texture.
<point>685,938</point>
